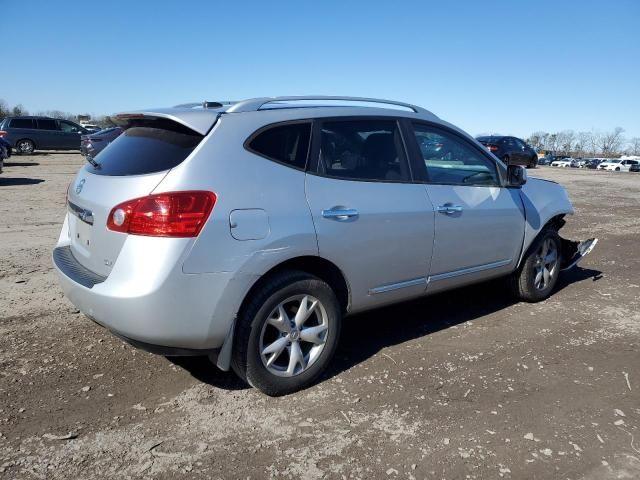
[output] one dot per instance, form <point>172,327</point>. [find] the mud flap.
<point>574,251</point>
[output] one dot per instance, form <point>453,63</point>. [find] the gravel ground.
<point>463,385</point>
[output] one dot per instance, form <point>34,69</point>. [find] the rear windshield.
<point>141,150</point>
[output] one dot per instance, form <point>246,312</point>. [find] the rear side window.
<point>47,124</point>
<point>287,144</point>
<point>141,150</point>
<point>22,123</point>
<point>362,150</point>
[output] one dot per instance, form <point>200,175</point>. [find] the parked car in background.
<point>94,143</point>
<point>635,167</point>
<point>28,134</point>
<point>618,165</point>
<point>5,152</point>
<point>563,162</point>
<point>179,239</point>
<point>511,150</point>
<point>7,146</point>
<point>579,163</point>
<point>90,127</point>
<point>593,163</point>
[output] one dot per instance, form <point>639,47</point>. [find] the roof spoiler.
<point>198,120</point>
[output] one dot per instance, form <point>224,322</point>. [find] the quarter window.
<point>450,160</point>
<point>362,150</point>
<point>285,143</point>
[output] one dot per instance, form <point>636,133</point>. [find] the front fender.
<point>543,200</point>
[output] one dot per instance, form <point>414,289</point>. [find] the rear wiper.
<point>95,164</point>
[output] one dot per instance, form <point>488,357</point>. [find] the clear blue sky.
<point>487,66</point>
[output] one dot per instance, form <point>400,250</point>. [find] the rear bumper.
<point>154,305</point>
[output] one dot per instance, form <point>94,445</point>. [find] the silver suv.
<point>247,231</point>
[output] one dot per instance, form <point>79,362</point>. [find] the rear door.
<point>130,167</point>
<point>370,219</point>
<point>479,224</point>
<point>48,133</point>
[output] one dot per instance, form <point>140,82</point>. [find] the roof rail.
<point>205,104</point>
<point>255,104</point>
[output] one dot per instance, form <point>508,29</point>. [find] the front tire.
<point>25,146</point>
<point>287,334</point>
<point>538,274</point>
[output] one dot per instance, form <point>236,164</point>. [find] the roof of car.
<point>200,116</point>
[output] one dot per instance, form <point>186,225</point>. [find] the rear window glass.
<point>22,123</point>
<point>285,143</point>
<point>141,150</point>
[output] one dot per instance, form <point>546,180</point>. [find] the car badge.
<point>79,186</point>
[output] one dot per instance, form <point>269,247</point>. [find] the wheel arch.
<point>314,265</point>
<point>554,223</point>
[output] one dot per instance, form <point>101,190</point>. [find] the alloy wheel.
<point>546,265</point>
<point>25,146</point>
<point>294,335</point>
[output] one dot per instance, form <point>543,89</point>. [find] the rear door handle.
<point>449,209</point>
<point>340,213</point>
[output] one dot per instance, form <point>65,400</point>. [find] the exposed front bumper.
<point>154,303</point>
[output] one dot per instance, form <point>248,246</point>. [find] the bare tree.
<point>18,110</point>
<point>582,145</point>
<point>565,141</point>
<point>594,141</point>
<point>4,109</point>
<point>611,142</point>
<point>538,140</point>
<point>634,146</point>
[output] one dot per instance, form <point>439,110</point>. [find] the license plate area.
<point>80,233</point>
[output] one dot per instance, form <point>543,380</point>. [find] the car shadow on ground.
<point>20,164</point>
<point>12,182</point>
<point>366,334</point>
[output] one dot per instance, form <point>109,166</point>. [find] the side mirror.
<point>516,176</point>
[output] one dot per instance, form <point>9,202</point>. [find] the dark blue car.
<point>28,134</point>
<point>511,150</point>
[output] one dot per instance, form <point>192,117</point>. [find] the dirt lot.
<point>462,385</point>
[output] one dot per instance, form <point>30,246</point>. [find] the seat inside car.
<point>379,152</point>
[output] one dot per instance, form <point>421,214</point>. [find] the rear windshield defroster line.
<point>142,150</point>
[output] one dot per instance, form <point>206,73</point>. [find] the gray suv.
<point>247,231</point>
<point>26,134</point>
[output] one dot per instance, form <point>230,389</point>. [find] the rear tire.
<point>533,163</point>
<point>278,351</point>
<point>538,274</point>
<point>25,146</point>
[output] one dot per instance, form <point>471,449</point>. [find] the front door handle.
<point>449,209</point>
<point>340,213</point>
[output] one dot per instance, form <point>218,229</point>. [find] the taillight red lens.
<point>172,214</point>
<point>3,133</point>
<point>493,148</point>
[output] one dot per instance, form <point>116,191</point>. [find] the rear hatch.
<point>130,167</point>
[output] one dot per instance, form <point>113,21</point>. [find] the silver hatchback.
<point>247,231</point>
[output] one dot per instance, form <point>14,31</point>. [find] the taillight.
<point>3,133</point>
<point>492,148</point>
<point>172,214</point>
